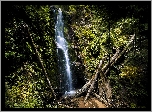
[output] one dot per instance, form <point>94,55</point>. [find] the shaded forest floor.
<point>78,102</point>
<point>90,103</point>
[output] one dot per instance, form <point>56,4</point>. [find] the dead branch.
<point>83,89</point>
<point>116,56</point>
<point>103,71</point>
<point>94,80</point>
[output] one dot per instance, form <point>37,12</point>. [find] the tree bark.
<point>41,62</point>
<point>116,56</point>
<point>94,80</point>
<point>103,71</point>
<point>101,99</point>
<point>83,89</point>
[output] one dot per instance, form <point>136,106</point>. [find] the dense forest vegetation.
<point>93,33</point>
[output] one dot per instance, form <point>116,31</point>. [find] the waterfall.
<point>62,50</point>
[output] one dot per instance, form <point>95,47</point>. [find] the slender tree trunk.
<point>94,80</point>
<point>41,62</point>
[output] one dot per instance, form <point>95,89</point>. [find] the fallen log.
<point>101,99</point>
<point>99,70</point>
<point>109,63</point>
<point>94,80</point>
<point>83,89</point>
<point>103,71</point>
<point>116,56</point>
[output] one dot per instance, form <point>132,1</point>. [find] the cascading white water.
<point>62,45</point>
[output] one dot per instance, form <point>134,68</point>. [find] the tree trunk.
<point>41,62</point>
<point>103,71</point>
<point>116,56</point>
<point>83,89</point>
<point>94,80</point>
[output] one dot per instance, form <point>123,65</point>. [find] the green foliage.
<point>99,29</point>
<point>118,34</point>
<point>25,83</point>
<point>23,93</point>
<point>128,71</point>
<point>22,97</point>
<point>95,31</point>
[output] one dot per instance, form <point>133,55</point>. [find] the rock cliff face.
<point>77,67</point>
